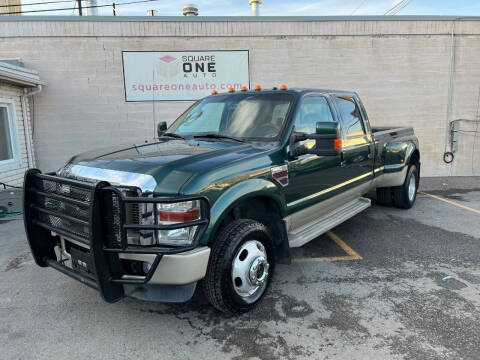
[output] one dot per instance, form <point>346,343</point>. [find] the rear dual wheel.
<point>240,267</point>
<point>402,196</point>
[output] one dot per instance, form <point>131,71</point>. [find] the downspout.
<point>26,126</point>
<point>450,90</point>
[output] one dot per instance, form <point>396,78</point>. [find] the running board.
<point>310,231</point>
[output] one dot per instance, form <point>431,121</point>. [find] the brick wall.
<point>14,175</point>
<point>400,69</point>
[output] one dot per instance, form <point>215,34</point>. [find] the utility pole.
<point>79,2</point>
<point>113,9</point>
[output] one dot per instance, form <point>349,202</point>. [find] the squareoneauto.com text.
<point>183,87</point>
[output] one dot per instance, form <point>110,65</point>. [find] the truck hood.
<point>162,166</point>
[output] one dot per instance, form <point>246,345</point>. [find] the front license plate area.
<point>82,261</point>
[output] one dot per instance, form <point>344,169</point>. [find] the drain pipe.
<point>450,89</point>
<point>26,126</point>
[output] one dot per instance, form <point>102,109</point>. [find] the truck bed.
<point>387,132</point>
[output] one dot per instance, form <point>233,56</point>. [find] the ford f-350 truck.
<point>219,197</point>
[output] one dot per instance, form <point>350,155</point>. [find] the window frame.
<point>345,127</point>
<point>313,95</point>
<point>16,160</point>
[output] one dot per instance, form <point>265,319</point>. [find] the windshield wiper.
<point>174,136</point>
<point>218,136</point>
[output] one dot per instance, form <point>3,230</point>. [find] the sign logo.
<point>200,65</point>
<point>167,58</point>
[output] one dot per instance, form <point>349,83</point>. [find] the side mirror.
<point>161,128</point>
<point>328,140</point>
<point>327,128</point>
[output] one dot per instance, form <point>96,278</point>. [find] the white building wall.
<point>14,175</point>
<point>399,68</point>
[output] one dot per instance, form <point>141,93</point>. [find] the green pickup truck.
<point>219,198</point>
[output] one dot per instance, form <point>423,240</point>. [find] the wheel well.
<point>266,211</point>
<point>415,158</point>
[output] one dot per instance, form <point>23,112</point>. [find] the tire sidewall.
<point>231,298</point>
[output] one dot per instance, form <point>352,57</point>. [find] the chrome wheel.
<point>250,271</point>
<point>412,188</point>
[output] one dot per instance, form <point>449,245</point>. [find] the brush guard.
<point>94,214</point>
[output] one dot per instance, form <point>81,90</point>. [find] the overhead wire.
<point>358,7</point>
<point>398,7</point>
<point>83,7</point>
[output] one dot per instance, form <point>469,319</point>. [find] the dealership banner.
<point>182,75</point>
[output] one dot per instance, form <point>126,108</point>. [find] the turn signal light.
<point>337,144</point>
<point>244,88</point>
<point>231,90</point>
<point>214,92</point>
<point>258,88</point>
<point>181,216</point>
<point>283,87</point>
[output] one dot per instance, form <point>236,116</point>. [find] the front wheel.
<point>404,195</point>
<point>240,267</point>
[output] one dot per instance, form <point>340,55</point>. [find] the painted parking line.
<point>352,254</point>
<point>451,202</point>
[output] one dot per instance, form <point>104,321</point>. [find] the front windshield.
<point>243,115</point>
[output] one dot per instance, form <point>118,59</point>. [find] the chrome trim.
<point>114,177</point>
<point>381,168</point>
<point>338,186</point>
<point>391,178</point>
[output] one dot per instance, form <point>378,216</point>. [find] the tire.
<point>404,196</point>
<point>384,196</point>
<point>240,243</point>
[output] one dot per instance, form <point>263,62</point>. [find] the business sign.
<point>182,75</point>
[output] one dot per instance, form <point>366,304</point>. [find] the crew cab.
<point>219,198</point>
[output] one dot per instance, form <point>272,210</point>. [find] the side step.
<point>310,231</point>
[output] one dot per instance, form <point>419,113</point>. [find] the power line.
<point>358,7</point>
<point>74,8</point>
<point>398,7</point>
<point>38,3</point>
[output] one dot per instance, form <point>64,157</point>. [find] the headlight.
<point>175,213</point>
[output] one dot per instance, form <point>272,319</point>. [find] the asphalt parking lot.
<point>388,283</point>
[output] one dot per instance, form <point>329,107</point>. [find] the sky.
<point>274,7</point>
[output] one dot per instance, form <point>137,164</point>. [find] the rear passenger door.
<point>357,148</point>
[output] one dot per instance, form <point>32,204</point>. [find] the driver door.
<point>310,174</point>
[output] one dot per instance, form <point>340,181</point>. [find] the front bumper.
<point>81,229</point>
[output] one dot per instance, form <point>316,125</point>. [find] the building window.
<point>9,148</point>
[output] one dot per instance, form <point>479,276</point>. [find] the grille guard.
<point>89,210</point>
